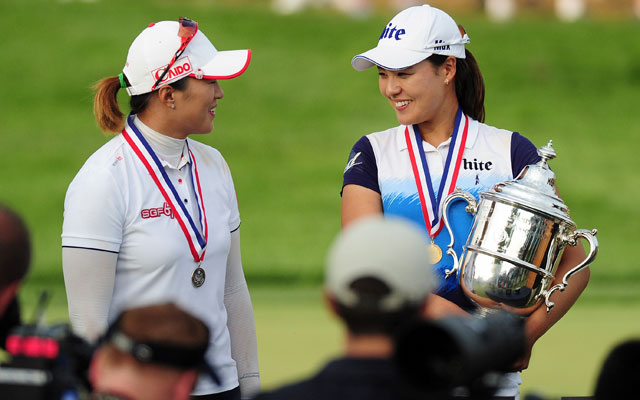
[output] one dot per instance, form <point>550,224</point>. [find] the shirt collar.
<point>472,134</point>
<point>172,152</point>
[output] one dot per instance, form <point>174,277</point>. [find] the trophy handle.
<point>572,240</point>
<point>471,208</point>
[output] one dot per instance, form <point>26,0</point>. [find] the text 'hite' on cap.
<point>412,36</point>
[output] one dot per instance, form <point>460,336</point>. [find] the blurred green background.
<point>286,127</point>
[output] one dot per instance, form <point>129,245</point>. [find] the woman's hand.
<point>523,362</point>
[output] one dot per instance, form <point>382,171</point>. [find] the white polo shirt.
<point>113,205</point>
<point>380,161</point>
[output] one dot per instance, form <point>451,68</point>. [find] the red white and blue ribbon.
<point>430,201</point>
<point>197,242</point>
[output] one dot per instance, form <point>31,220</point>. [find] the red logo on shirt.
<point>157,212</point>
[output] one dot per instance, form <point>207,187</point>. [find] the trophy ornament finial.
<point>535,187</point>
<point>547,152</point>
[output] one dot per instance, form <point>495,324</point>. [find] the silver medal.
<point>198,277</point>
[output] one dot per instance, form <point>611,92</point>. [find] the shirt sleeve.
<point>240,322</point>
<point>234,216</point>
<point>523,153</point>
<point>89,277</point>
<point>361,168</point>
<point>93,211</point>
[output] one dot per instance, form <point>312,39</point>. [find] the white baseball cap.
<point>391,250</point>
<point>153,49</point>
<point>413,35</point>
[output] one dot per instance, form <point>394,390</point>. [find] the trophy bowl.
<point>520,229</point>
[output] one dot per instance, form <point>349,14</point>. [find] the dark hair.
<point>618,372</point>
<point>163,323</point>
<point>366,317</point>
<point>469,84</point>
<point>105,103</point>
<point>15,247</point>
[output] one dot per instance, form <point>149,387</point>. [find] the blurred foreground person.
<point>15,259</point>
<point>619,371</point>
<point>153,352</point>
<point>152,216</point>
<point>376,282</point>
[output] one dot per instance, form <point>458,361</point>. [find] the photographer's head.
<point>616,379</point>
<point>151,352</point>
<point>378,276</point>
<point>15,255</point>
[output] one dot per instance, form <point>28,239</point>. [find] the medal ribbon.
<point>430,202</point>
<point>197,243</point>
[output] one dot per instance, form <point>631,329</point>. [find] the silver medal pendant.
<point>198,277</point>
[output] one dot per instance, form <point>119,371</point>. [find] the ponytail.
<point>469,84</point>
<point>105,105</point>
<point>470,87</point>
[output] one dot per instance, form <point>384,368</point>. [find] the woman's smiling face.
<point>415,93</point>
<point>196,105</point>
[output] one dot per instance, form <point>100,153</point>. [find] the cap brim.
<point>388,57</point>
<point>226,64</point>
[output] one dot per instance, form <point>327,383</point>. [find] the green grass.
<point>286,128</point>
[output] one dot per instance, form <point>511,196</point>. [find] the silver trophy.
<point>519,231</point>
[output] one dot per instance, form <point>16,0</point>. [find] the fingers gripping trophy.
<point>520,229</point>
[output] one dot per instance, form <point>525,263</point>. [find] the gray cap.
<point>389,249</point>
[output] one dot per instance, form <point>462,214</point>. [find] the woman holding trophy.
<point>437,91</point>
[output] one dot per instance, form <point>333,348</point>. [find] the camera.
<point>463,352</point>
<point>46,362</point>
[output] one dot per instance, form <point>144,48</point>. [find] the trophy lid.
<point>535,187</point>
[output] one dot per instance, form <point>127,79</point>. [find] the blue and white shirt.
<point>380,161</point>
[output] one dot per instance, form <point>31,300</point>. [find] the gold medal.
<point>198,277</point>
<point>436,253</point>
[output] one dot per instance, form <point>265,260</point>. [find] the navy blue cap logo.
<point>390,32</point>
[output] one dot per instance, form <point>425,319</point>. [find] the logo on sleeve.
<point>352,161</point>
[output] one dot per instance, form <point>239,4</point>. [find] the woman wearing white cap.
<point>152,216</point>
<point>437,91</point>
